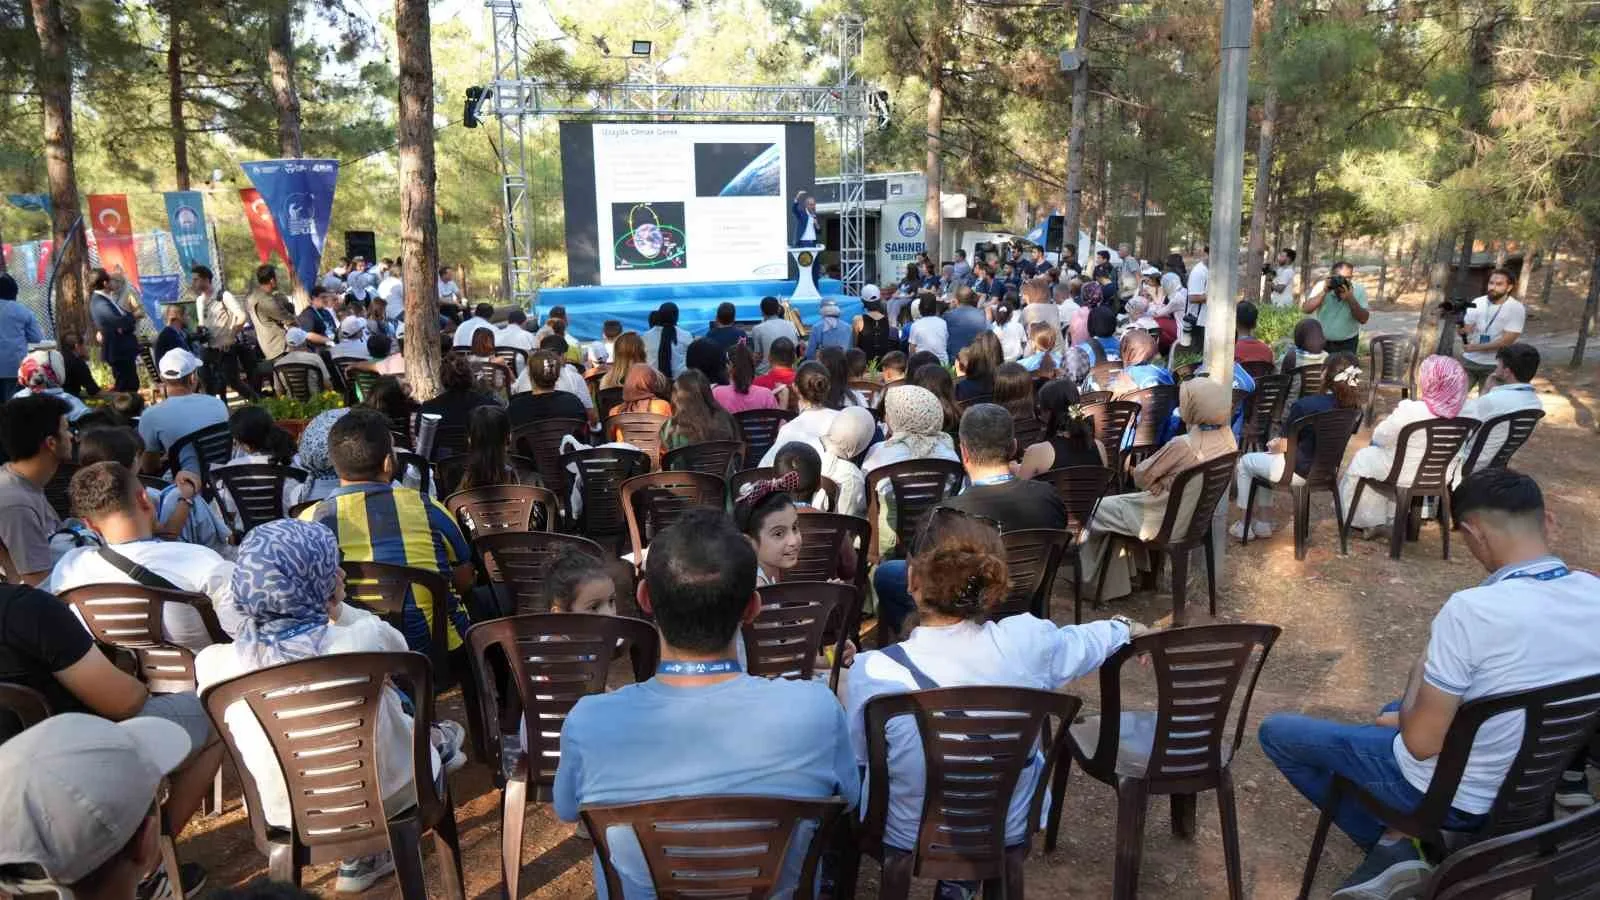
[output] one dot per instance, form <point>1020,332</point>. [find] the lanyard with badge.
<point>993,479</point>
<point>1483,337</point>
<point>1560,571</point>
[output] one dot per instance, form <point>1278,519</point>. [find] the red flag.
<point>262,227</point>
<point>113,234</point>
<point>43,274</point>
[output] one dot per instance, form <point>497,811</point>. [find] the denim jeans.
<point>1310,751</point>
<point>894,598</point>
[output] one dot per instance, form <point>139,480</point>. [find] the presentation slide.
<point>674,203</point>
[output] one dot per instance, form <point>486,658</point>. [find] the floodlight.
<point>641,48</point>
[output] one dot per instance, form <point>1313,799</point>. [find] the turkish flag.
<point>42,274</point>
<point>113,234</point>
<point>262,226</point>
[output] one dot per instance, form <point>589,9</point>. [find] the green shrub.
<point>289,409</point>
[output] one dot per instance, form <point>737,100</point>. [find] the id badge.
<point>1483,339</point>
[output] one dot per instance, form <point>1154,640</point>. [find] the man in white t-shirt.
<point>516,334</point>
<point>1199,280</point>
<point>1283,279</point>
<point>113,502</point>
<point>481,316</point>
<point>1508,390</point>
<point>1494,320</point>
<point>1530,624</point>
<point>391,289</point>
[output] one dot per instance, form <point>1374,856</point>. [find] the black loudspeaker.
<point>363,244</point>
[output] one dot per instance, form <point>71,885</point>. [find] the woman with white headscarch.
<point>914,421</point>
<point>847,438</point>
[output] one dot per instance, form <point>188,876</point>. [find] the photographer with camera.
<point>222,320</point>
<point>1194,316</point>
<point>1341,306</point>
<point>1492,322</point>
<point>1282,276</point>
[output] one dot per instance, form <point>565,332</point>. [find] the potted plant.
<point>292,415</point>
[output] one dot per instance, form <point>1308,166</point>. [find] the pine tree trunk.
<point>1549,275</point>
<point>1256,246</point>
<point>932,215</point>
<point>1530,259</point>
<point>1383,271</point>
<point>180,130</point>
<point>1438,278</point>
<point>1071,223</point>
<point>55,97</point>
<point>1306,226</point>
<point>419,227</point>
<point>1590,304</point>
<point>280,63</point>
<point>1140,249</point>
<point>1460,285</point>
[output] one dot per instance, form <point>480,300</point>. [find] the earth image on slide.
<point>758,179</point>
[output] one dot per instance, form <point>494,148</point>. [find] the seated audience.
<point>983,356</point>
<point>36,440</point>
<point>708,359</point>
<point>181,514</point>
<point>321,479</point>
<point>110,499</point>
<point>1528,625</point>
<point>1102,345</point>
<point>482,317</point>
<point>290,593</point>
<point>570,380</point>
<point>1248,348</point>
<point>1140,365</point>
<point>44,371</point>
<point>79,379</point>
<point>1310,347</point>
<point>545,400</point>
<point>1138,317</point>
<point>780,371</point>
<point>845,441</point>
<point>992,493</point>
<point>1013,390</point>
<point>185,411</point>
<point>772,328</point>
<point>1344,390</point>
<point>295,340</point>
<point>929,332</point>
<point>1008,328</point>
<point>939,381</point>
<point>913,420</point>
<point>514,333</point>
<point>488,457</point>
<point>696,417</point>
<point>769,518</point>
<point>1204,405</point>
<point>954,581</point>
<point>724,333</point>
<point>576,582</point>
<point>257,440</point>
<point>811,386</point>
<point>1441,391</point>
<point>1041,355</point>
<point>461,395</point>
<point>642,392</point>
<point>353,336</point>
<point>376,521</point>
<point>627,351</point>
<point>791,740</point>
<point>892,368</point>
<point>1507,389</point>
<point>666,346</point>
<point>830,330</point>
<point>80,799</point>
<point>742,393</point>
<point>1069,438</point>
<point>481,348</point>
<point>856,363</point>
<point>386,359</point>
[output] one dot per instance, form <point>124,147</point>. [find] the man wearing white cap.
<point>295,339</point>
<point>184,412</point>
<point>352,339</point>
<point>78,797</point>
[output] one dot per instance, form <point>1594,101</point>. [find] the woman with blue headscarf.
<point>289,591</point>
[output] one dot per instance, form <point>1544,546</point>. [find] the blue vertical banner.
<point>299,194</point>
<point>186,216</point>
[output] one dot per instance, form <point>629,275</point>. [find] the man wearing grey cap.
<point>79,798</point>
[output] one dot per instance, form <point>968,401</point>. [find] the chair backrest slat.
<point>719,458</point>
<point>130,616</point>
<point>1514,428</point>
<point>823,539</point>
<point>1206,483</point>
<point>541,440</point>
<point>1032,557</point>
<point>1441,441</point>
<point>213,446</point>
<point>1156,404</point>
<point>382,589</point>
<point>760,429</point>
<point>603,470</point>
<point>1559,860</point>
<point>256,490</point>
<point>1112,419</point>
<point>916,486</point>
<point>21,707</point>
<point>1080,489</point>
<point>840,622</point>
<point>502,507</point>
<point>1333,430</point>
<point>514,563</point>
<point>641,429</point>
<point>654,501</point>
<point>1265,407</point>
<point>1394,357</point>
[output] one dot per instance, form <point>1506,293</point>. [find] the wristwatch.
<point>1125,622</point>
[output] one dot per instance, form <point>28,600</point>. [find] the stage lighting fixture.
<point>641,48</point>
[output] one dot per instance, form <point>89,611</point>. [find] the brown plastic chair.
<point>321,716</point>
<point>129,617</point>
<point>915,487</point>
<point>608,398</point>
<point>1080,489</point>
<point>502,507</point>
<point>448,441</point>
<point>382,589</point>
<point>603,470</point>
<point>974,400</point>
<point>1087,397</point>
<point>514,563</point>
<point>1258,370</point>
<point>255,490</point>
<point>1033,556</point>
<point>823,539</point>
<point>760,429</point>
<point>1027,431</point>
<point>21,708</point>
<point>1208,482</point>
<point>652,502</point>
<point>1113,419</point>
<point>493,378</point>
<point>728,846</point>
<point>1554,861</point>
<point>1312,380</point>
<point>1156,404</point>
<point>1394,364</point>
<point>641,429</point>
<point>740,481</point>
<point>1333,430</point>
<point>213,446</point>
<point>1558,722</point>
<point>1182,747</point>
<point>297,381</point>
<point>541,440</point>
<point>976,742</point>
<point>868,389</point>
<point>1442,440</point>
<point>798,620</point>
<point>1518,426</point>
<point>1263,410</point>
<point>719,458</point>
<point>554,660</point>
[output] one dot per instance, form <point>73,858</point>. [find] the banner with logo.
<point>186,216</point>
<point>299,194</point>
<point>155,290</point>
<point>262,228</point>
<point>900,237</point>
<point>113,234</point>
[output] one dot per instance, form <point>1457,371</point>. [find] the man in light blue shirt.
<point>965,321</point>
<point>184,412</point>
<point>18,329</point>
<point>702,727</point>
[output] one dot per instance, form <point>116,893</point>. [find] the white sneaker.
<point>1236,530</point>
<point>1261,528</point>
<point>356,875</point>
<point>450,739</point>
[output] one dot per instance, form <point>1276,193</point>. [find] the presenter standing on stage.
<point>807,230</point>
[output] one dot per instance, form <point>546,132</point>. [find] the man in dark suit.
<point>119,341</point>
<point>807,230</point>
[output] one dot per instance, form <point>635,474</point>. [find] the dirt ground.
<point>1352,627</point>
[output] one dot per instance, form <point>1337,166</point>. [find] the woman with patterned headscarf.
<point>321,478</point>
<point>914,422</point>
<point>1442,391</point>
<point>1205,406</point>
<point>289,589</point>
<point>43,371</point>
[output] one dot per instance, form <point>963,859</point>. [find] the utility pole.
<point>1227,190</point>
<point>1077,62</point>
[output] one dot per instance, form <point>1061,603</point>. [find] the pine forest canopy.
<point>1417,120</point>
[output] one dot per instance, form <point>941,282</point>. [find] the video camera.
<point>1337,283</point>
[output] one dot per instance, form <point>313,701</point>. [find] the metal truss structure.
<point>513,98</point>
